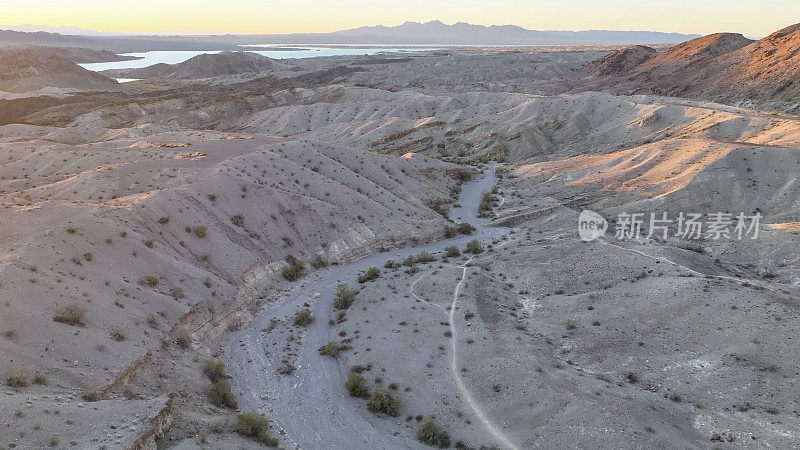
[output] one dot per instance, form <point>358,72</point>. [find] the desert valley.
<point>382,250</point>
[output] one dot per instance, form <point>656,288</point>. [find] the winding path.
<point>310,407</point>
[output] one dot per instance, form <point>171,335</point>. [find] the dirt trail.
<point>310,406</point>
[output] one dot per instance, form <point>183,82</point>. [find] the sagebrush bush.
<point>465,228</point>
<point>383,401</point>
<point>220,394</point>
<point>474,246</point>
<point>256,426</point>
<point>430,433</point>
<point>371,274</point>
<point>452,251</point>
<point>329,349</point>
<point>200,231</point>
<point>303,318</point>
<point>71,315</point>
<point>344,297</point>
<point>214,370</point>
<point>356,385</point>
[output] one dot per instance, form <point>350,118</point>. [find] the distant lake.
<point>281,52</point>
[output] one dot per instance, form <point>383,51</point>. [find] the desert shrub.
<point>200,231</point>
<point>425,257</point>
<point>256,426</point>
<point>697,248</point>
<point>19,377</point>
<point>450,231</point>
<point>92,393</point>
<point>429,432</point>
<point>177,293</point>
<point>151,280</point>
<point>220,394</point>
<point>163,220</point>
<point>319,262</point>
<point>152,321</point>
<point>344,297</point>
<point>287,241</point>
<point>440,206</point>
<point>185,339</point>
<point>329,349</point>
<point>88,257</point>
<point>356,385</point>
<point>372,273</point>
<point>303,318</point>
<point>464,175</point>
<point>238,220</point>
<point>150,243</point>
<point>383,401</point>
<point>214,370</point>
<point>569,324</point>
<point>465,228</point>
<point>39,379</point>
<point>118,334</point>
<point>294,270</point>
<point>474,246</point>
<point>71,315</point>
<point>409,261</point>
<point>452,251</point>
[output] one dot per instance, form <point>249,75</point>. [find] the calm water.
<point>175,57</point>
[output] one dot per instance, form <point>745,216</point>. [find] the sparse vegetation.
<point>238,220</point>
<point>184,339</point>
<point>19,377</point>
<point>294,270</point>
<point>220,394</point>
<point>450,232</point>
<point>303,318</point>
<point>214,370</point>
<point>177,293</point>
<point>452,251</point>
<point>440,206</point>
<point>697,248</point>
<point>569,324</point>
<point>383,401</point>
<point>256,426</point>
<point>356,385</point>
<point>151,280</point>
<point>430,433</point>
<point>71,315</point>
<point>200,231</point>
<point>329,349</point>
<point>474,246</point>
<point>92,393</point>
<point>344,297</point>
<point>319,262</point>
<point>465,228</point>
<point>163,220</point>
<point>118,334</point>
<point>371,274</point>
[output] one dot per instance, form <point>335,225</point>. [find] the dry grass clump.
<point>71,315</point>
<point>19,377</point>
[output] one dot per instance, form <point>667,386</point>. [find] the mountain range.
<point>433,32</point>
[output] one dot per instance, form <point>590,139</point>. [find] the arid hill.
<point>203,66</point>
<point>724,67</point>
<point>32,69</point>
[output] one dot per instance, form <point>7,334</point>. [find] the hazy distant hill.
<point>202,66</point>
<point>436,32</point>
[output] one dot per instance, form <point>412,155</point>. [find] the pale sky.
<point>752,18</point>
